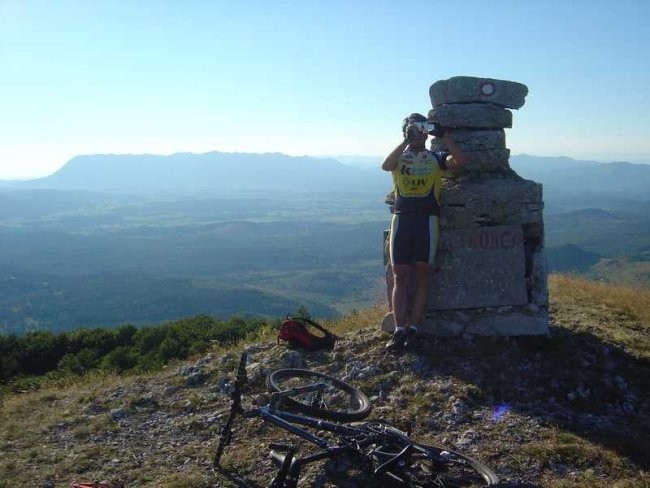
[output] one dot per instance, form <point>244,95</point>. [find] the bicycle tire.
<point>339,401</point>
<point>431,466</point>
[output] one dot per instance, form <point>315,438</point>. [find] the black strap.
<point>312,323</point>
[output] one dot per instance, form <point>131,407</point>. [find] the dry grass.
<point>587,316</point>
<point>614,313</point>
<point>633,301</point>
<point>623,271</point>
<point>356,321</point>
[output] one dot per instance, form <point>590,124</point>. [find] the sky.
<point>310,77</point>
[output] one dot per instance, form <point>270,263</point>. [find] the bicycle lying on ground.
<point>385,453</point>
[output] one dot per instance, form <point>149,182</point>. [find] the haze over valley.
<point>113,239</point>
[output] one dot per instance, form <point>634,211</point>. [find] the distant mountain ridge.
<point>571,184</point>
<point>208,172</point>
<point>570,174</point>
<point>568,183</point>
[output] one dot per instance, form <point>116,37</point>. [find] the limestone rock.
<point>293,359</point>
<point>118,414</point>
<point>512,324</point>
<point>472,115</point>
<point>441,328</point>
<point>492,201</point>
<point>473,140</point>
<point>539,287</point>
<point>388,322</point>
<point>486,161</point>
<point>469,89</point>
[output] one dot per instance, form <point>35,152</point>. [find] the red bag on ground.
<point>295,332</point>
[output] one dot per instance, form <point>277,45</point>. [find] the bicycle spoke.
<point>336,400</point>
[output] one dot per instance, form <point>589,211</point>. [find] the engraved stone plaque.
<point>480,267</point>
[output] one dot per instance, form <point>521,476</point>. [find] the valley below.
<point>87,251</point>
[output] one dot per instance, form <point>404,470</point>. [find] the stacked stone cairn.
<point>491,275</point>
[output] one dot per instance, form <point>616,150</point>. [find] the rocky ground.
<point>568,410</point>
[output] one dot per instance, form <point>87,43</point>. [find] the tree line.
<point>125,348</point>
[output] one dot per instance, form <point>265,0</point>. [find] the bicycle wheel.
<point>337,401</point>
<point>429,466</point>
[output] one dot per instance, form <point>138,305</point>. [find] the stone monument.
<point>491,276</point>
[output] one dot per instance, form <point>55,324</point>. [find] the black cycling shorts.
<point>413,238</point>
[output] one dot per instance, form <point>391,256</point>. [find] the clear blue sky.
<point>310,77</point>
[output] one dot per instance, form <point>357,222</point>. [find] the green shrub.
<point>120,359</point>
<point>80,362</point>
<point>120,349</point>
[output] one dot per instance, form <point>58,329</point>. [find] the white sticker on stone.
<point>487,88</point>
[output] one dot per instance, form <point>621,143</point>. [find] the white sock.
<point>400,329</point>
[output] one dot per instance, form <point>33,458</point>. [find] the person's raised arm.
<point>392,159</point>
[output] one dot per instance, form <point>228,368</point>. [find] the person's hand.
<point>411,132</point>
<point>438,130</point>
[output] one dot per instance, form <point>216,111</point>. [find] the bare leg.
<point>401,274</point>
<point>390,285</point>
<point>423,274</point>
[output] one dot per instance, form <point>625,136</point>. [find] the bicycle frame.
<point>287,421</point>
<point>365,440</point>
<point>290,466</point>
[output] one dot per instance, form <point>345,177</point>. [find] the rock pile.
<point>491,277</point>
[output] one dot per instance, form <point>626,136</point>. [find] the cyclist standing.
<point>416,175</point>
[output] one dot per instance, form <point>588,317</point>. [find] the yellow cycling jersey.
<point>417,180</point>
